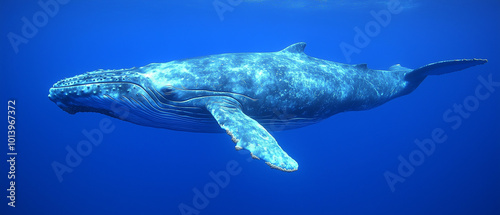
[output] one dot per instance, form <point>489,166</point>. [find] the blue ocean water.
<point>352,163</point>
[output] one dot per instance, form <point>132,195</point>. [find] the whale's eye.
<point>166,90</point>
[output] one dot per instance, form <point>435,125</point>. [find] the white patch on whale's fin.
<point>249,134</point>
<point>295,48</point>
<point>443,67</point>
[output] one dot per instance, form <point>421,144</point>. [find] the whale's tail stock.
<point>442,67</point>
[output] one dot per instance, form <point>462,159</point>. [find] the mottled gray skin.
<point>279,90</point>
<point>285,82</point>
<point>264,84</point>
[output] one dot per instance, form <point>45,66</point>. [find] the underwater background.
<point>350,163</point>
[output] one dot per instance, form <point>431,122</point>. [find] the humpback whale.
<point>239,94</point>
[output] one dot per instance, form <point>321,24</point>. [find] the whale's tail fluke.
<point>442,67</point>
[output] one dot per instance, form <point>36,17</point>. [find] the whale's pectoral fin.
<point>250,135</point>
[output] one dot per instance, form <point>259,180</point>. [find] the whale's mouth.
<point>94,97</point>
<point>99,91</point>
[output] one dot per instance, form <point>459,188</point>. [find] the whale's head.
<point>133,95</point>
<point>110,92</point>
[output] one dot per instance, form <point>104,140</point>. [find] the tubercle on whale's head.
<point>102,91</point>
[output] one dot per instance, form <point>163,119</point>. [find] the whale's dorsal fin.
<point>295,48</point>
